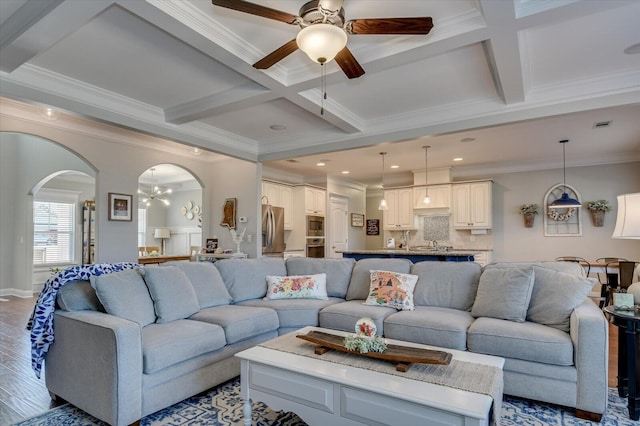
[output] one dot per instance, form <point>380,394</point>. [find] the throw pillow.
<point>297,287</point>
<point>125,295</point>
<point>173,295</point>
<point>504,293</point>
<point>555,295</point>
<point>392,289</point>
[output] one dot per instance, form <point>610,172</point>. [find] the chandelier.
<point>154,194</point>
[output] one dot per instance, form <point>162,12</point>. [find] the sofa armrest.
<point>95,363</point>
<point>590,336</point>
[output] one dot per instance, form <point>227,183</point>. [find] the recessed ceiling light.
<point>50,114</point>
<point>395,166</point>
<point>458,159</point>
<point>292,160</point>
<point>467,140</point>
<point>345,172</point>
<point>278,127</point>
<point>197,151</point>
<point>320,163</point>
<point>634,49</point>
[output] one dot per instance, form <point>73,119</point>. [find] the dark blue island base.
<point>412,256</point>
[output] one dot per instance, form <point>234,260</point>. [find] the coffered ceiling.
<point>495,70</point>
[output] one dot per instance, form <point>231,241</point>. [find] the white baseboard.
<point>16,292</point>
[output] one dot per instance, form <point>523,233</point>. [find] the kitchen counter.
<point>414,255</point>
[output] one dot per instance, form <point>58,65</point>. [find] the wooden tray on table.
<point>403,356</point>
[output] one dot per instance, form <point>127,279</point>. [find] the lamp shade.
<point>628,220</point>
<point>321,42</point>
<point>565,202</point>
<point>162,233</point>
<point>383,205</point>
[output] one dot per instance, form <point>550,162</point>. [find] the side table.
<point>628,323</point>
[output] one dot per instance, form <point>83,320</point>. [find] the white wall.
<point>116,166</point>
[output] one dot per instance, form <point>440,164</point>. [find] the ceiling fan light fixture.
<point>321,42</point>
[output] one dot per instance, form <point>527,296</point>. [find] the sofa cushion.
<point>239,322</point>
<point>338,272</point>
<point>245,278</point>
<point>294,313</point>
<point>504,293</point>
<point>361,275</point>
<point>78,296</point>
<point>555,295</point>
<point>527,340</point>
<point>343,316</point>
<point>573,268</point>
<point>207,283</point>
<point>297,287</point>
<point>446,284</point>
<point>172,293</point>
<point>164,345</point>
<point>391,289</point>
<point>125,295</point>
<point>430,325</point>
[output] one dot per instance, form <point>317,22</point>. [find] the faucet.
<point>434,244</point>
<point>405,239</point>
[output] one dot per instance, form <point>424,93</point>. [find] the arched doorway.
<point>170,211</point>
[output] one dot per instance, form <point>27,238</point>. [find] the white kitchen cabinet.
<point>280,196</point>
<point>472,205</point>
<point>440,197</point>
<point>315,201</point>
<point>400,213</point>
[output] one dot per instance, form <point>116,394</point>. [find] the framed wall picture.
<point>212,245</point>
<point>229,213</point>
<point>357,219</point>
<point>373,226</point>
<point>120,207</point>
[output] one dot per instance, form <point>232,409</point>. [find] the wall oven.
<point>315,226</point>
<point>315,247</point>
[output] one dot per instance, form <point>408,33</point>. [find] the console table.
<point>161,259</point>
<point>628,323</point>
<point>212,257</point>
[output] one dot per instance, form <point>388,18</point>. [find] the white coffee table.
<point>326,393</point>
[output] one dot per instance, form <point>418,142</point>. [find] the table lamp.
<point>162,233</point>
<point>628,227</point>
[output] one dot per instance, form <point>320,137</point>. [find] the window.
<point>142,227</point>
<point>53,232</point>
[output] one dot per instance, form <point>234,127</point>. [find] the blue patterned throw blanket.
<point>41,321</point>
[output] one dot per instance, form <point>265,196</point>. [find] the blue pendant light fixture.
<point>564,202</point>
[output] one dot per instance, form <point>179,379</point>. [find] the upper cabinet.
<point>400,213</point>
<point>472,205</point>
<point>440,196</point>
<point>315,201</point>
<point>280,196</point>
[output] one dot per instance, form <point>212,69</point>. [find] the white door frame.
<point>341,200</point>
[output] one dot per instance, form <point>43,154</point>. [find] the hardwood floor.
<point>22,395</point>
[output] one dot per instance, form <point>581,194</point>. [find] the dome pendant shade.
<point>564,201</point>
<point>321,42</point>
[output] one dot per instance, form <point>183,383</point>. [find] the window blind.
<point>53,232</point>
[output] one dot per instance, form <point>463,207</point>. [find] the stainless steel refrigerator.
<point>272,231</point>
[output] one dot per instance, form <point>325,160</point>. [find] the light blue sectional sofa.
<point>172,331</point>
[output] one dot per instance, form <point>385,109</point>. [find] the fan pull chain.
<point>324,87</point>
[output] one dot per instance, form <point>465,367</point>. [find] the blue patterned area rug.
<point>226,409</point>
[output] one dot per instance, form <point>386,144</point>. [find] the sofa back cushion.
<point>207,283</point>
<point>573,268</point>
<point>173,295</point>
<point>78,296</point>
<point>247,278</point>
<point>125,294</point>
<point>555,295</point>
<point>504,293</point>
<point>446,284</point>
<point>361,274</point>
<point>338,272</point>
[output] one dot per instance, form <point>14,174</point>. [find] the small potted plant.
<point>598,209</point>
<point>528,211</point>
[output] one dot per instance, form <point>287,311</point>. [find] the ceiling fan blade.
<point>277,55</point>
<point>390,26</point>
<point>348,63</point>
<point>256,9</point>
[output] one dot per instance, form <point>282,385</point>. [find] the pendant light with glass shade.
<point>383,203</point>
<point>427,199</point>
<point>564,202</point>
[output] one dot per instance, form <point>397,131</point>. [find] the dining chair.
<point>611,280</point>
<point>581,260</point>
<point>626,269</point>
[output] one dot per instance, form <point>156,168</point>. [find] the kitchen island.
<point>413,255</point>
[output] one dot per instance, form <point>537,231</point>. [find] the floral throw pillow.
<point>392,289</point>
<point>297,287</point>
